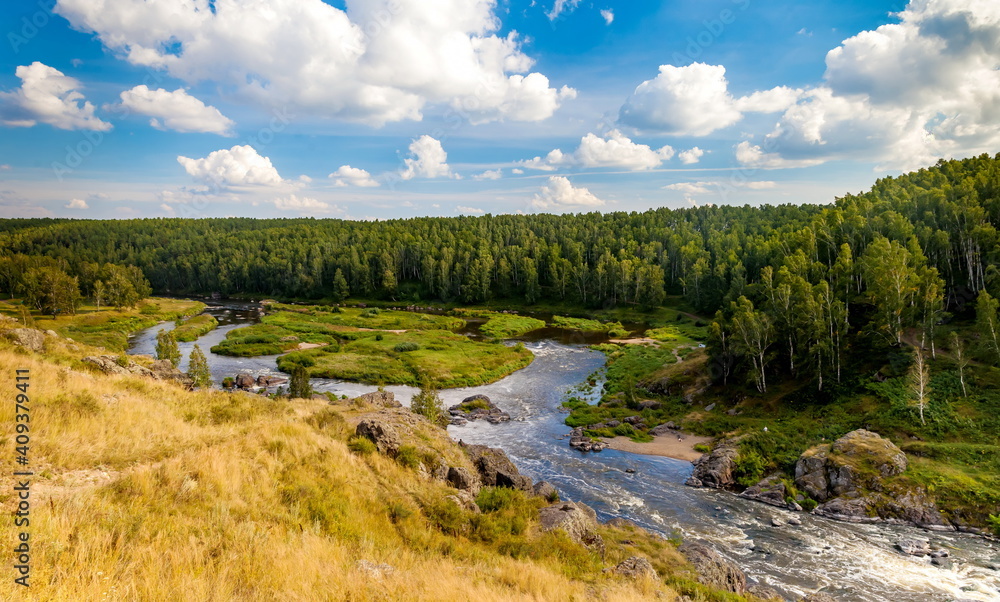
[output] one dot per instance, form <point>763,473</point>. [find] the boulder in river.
<point>478,407</point>
<point>245,381</point>
<point>714,570</point>
<point>716,469</point>
<point>914,547</point>
<point>771,491</point>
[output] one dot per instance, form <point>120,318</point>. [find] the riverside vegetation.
<point>147,491</point>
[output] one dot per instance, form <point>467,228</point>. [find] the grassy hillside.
<point>148,492</point>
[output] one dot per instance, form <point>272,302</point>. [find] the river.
<point>850,562</point>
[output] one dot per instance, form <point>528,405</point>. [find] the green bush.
<point>408,456</point>
<point>370,313</point>
<point>703,448</point>
<point>494,499</point>
<point>994,522</point>
<point>809,504</point>
<point>361,445</point>
<point>406,346</point>
<point>749,467</point>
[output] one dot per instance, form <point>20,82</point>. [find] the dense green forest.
<point>792,288</point>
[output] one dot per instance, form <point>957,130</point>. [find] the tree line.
<point>790,285</point>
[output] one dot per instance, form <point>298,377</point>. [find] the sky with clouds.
<point>374,109</point>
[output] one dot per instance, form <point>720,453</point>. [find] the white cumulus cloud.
<point>469,210</point>
<point>608,15</point>
<point>903,95</point>
<point>559,193</point>
<point>691,156</point>
<point>489,174</point>
<point>427,159</point>
<point>614,149</point>
<point>48,96</point>
<point>376,62</point>
<point>352,176</point>
<point>78,204</point>
<point>177,110</point>
<point>695,101</point>
<point>237,166</point>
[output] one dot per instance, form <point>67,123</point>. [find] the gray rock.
<point>764,592</point>
<point>914,547</point>
<point>714,570</point>
<point>546,490</point>
<point>464,500</point>
<point>777,522</point>
<point>578,520</point>
<point>29,338</point>
<point>716,469</point>
<point>710,407</point>
<point>496,469</point>
<point>694,481</point>
<point>770,490</point>
<point>856,510</point>
<point>245,381</point>
<point>382,399</point>
<point>382,434</point>
<point>635,567</point>
<point>944,563</point>
<point>794,521</point>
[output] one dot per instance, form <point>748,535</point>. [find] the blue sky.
<point>396,108</point>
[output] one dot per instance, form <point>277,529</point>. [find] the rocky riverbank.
<point>853,479</point>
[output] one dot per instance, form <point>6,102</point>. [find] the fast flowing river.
<point>848,561</point>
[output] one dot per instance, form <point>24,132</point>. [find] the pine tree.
<point>166,347</point>
<point>341,290</point>
<point>299,387</point>
<point>198,368</point>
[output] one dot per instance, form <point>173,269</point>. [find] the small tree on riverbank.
<point>198,368</point>
<point>428,404</point>
<point>299,386</point>
<point>166,347</point>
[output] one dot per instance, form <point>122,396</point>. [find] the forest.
<point>791,288</point>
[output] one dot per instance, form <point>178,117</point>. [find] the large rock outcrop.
<point>381,433</point>
<point>29,338</point>
<point>495,468</point>
<point>578,520</point>
<point>858,460</point>
<point>848,478</point>
<point>714,570</point>
<point>635,567</point>
<point>716,469</point>
<point>109,364</point>
<point>382,399</point>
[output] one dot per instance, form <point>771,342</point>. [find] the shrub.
<point>149,309</point>
<point>406,346</point>
<point>229,382</point>
<point>408,456</point>
<point>703,448</point>
<point>379,337</point>
<point>809,504</point>
<point>361,445</point>
<point>750,467</point>
<point>370,313</point>
<point>494,499</point>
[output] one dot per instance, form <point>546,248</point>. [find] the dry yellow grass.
<point>153,493</point>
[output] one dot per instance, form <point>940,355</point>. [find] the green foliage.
<point>505,326</point>
<point>362,446</point>
<point>749,468</point>
<point>494,499</point>
<point>198,368</point>
<point>298,386</point>
<point>193,328</point>
<point>406,346</point>
<point>994,522</point>
<point>613,329</point>
<point>408,456</point>
<point>428,404</point>
<point>166,347</point>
